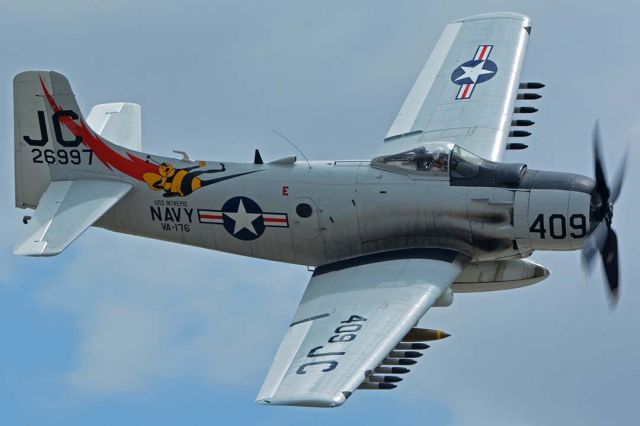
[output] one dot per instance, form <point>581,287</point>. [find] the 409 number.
<point>556,226</point>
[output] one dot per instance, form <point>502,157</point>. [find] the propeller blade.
<point>609,253</point>
<point>603,239</point>
<point>601,180</point>
<point>593,244</point>
<point>617,183</point>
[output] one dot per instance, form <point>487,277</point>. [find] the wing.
<point>467,89</point>
<point>351,317</point>
<point>118,122</point>
<point>66,210</point>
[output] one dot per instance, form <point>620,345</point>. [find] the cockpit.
<point>437,159</point>
<point>448,160</point>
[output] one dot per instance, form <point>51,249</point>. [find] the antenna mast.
<point>293,145</point>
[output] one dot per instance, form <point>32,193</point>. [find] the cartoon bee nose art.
<point>166,170</point>
<point>182,182</point>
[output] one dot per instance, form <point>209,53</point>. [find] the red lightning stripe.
<point>129,165</point>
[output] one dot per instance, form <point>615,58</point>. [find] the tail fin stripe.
<point>129,165</point>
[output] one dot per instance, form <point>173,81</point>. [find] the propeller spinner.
<point>602,238</point>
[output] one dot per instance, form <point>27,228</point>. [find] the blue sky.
<point>131,331</point>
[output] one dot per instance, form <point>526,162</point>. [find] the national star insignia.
<point>243,219</point>
<point>474,72</point>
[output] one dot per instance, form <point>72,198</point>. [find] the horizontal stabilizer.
<point>66,210</point>
<point>118,122</point>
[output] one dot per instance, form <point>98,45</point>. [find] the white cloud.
<point>149,312</point>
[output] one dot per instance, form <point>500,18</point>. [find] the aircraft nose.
<point>595,208</point>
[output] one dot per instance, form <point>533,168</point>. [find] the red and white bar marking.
<point>465,91</point>
<point>483,52</point>
<point>275,219</point>
<point>210,216</point>
<point>215,217</point>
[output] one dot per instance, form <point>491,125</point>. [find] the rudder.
<point>41,142</point>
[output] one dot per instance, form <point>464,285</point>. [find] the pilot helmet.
<point>438,155</point>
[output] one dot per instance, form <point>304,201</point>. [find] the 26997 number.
<point>62,156</point>
<point>556,225</point>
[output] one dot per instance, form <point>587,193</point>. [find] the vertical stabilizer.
<point>36,132</point>
<point>54,143</point>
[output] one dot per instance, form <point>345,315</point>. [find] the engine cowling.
<point>555,214</point>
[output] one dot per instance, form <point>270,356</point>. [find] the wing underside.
<point>349,324</point>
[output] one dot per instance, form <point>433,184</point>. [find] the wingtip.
<point>496,15</point>
<point>33,248</point>
<point>317,401</point>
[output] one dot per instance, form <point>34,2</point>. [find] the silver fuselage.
<point>359,209</point>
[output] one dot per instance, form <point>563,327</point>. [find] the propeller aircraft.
<point>432,213</point>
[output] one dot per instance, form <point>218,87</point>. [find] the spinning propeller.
<point>602,238</point>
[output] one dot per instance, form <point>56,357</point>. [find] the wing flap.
<point>350,318</point>
<point>66,210</point>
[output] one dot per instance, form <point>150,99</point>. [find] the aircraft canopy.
<point>434,159</point>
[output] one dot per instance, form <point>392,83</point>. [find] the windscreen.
<point>464,164</point>
<point>431,158</point>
